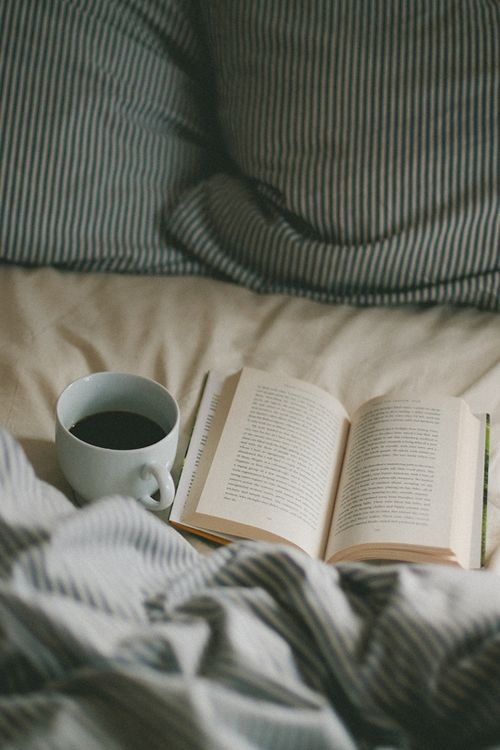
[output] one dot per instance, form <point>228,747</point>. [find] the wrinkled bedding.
<point>116,633</point>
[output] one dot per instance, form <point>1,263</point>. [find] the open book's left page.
<point>277,463</point>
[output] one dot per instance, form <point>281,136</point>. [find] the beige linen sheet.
<point>57,326</point>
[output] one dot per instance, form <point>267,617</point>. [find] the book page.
<point>277,463</point>
<point>466,531</point>
<point>212,412</point>
<point>399,476</point>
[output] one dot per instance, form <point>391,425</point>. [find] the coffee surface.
<point>118,430</point>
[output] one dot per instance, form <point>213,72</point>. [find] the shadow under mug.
<point>93,471</point>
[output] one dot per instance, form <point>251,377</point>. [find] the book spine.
<point>485,489</point>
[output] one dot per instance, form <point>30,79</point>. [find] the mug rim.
<point>111,373</point>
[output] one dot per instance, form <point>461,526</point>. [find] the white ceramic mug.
<point>94,471</point>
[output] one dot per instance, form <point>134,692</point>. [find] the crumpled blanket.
<point>115,633</point>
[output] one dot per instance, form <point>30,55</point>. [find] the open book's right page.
<point>409,480</point>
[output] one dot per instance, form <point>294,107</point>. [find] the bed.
<point>167,207</point>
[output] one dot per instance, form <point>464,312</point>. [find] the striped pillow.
<point>364,139</point>
<point>102,131</point>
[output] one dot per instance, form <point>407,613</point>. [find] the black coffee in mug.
<point>118,430</point>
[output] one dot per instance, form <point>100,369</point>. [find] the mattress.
<point>57,326</point>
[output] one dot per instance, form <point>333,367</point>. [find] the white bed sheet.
<point>57,326</point>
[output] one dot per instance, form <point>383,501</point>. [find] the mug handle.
<point>165,485</point>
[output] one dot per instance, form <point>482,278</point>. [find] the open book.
<point>278,459</point>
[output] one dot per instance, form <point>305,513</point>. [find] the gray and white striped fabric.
<point>366,143</point>
<point>341,149</point>
<point>103,129</point>
<point>116,634</point>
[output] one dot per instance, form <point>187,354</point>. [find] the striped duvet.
<point>116,633</point>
